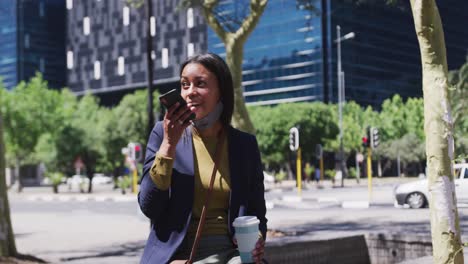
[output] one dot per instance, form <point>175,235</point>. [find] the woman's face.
<point>199,88</point>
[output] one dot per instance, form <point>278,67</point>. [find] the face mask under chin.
<point>210,119</point>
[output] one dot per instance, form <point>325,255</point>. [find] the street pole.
<point>358,173</point>
<point>340,83</point>
<point>149,62</point>
<point>299,172</point>
<point>322,172</point>
<point>340,110</point>
<point>369,173</point>
<point>135,177</point>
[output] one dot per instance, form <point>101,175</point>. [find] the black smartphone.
<point>170,98</point>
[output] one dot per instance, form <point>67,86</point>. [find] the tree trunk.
<point>234,57</point>
<point>438,127</point>
<point>234,44</point>
<point>89,174</point>
<point>17,174</point>
<point>7,239</point>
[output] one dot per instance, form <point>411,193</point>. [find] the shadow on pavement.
<point>129,249</point>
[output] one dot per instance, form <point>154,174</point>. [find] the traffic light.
<point>374,137</point>
<point>135,151</point>
<point>293,139</point>
<point>365,142</point>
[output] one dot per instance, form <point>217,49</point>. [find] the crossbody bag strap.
<point>201,223</point>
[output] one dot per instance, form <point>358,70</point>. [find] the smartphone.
<point>173,96</point>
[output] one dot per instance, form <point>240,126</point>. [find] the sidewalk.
<point>101,193</point>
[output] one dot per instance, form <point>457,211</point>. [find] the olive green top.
<point>204,148</point>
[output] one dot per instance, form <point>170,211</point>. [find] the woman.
<point>179,161</point>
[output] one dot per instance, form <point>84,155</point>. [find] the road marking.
<point>355,204</point>
<point>292,198</point>
<point>64,198</point>
<point>328,200</point>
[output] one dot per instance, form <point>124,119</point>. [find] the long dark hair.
<point>216,65</point>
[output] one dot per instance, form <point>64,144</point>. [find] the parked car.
<point>415,194</point>
<point>101,179</point>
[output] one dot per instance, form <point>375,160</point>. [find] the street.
<point>107,227</point>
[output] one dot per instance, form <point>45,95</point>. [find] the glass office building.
<point>291,55</point>
<point>32,33</point>
<point>8,57</point>
<point>282,57</point>
<point>384,58</point>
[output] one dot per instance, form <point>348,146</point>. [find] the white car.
<point>415,194</point>
<point>101,179</point>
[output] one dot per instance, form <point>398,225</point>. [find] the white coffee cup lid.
<point>245,221</point>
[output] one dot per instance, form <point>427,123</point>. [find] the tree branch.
<point>209,14</point>
<point>256,10</point>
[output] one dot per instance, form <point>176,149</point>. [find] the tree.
<point>87,142</point>
<point>26,118</point>
<point>233,30</point>
<point>124,124</point>
<point>60,114</point>
<point>316,121</point>
<point>7,239</point>
<point>438,125</point>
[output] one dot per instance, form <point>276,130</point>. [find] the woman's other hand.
<point>175,122</point>
<point>259,251</point>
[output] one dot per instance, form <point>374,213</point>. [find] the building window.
<point>165,58</point>
<point>152,26</point>
<point>26,41</point>
<point>97,70</point>
<point>42,65</point>
<point>126,16</point>
<point>190,49</point>
<point>69,60</point>
<point>121,66</point>
<point>41,9</point>
<point>69,4</point>
<point>153,55</point>
<point>86,26</point>
<point>190,18</point>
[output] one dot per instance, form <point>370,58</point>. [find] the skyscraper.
<point>32,34</point>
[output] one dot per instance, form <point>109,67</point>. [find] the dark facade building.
<point>32,36</point>
<point>384,58</point>
<point>106,45</point>
<point>291,56</point>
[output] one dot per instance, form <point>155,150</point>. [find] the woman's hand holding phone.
<point>176,120</point>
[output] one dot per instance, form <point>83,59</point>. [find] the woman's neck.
<point>211,131</point>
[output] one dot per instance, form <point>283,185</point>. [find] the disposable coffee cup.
<point>247,236</point>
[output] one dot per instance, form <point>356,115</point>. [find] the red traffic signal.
<point>135,151</point>
<point>365,142</point>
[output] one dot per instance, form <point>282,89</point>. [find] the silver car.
<point>415,194</point>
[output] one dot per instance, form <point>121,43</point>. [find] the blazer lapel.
<point>184,151</point>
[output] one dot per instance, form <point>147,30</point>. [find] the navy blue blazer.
<point>170,211</point>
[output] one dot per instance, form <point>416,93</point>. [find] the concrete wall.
<point>361,249</point>
<point>347,250</point>
<point>395,248</point>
